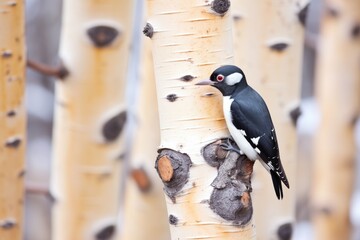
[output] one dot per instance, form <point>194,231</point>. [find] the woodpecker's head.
<point>227,79</point>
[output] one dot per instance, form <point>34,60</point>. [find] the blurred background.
<point>43,24</point>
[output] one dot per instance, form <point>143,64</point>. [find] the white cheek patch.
<point>233,79</point>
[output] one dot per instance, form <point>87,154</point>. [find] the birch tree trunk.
<point>268,47</point>
<point>144,198</point>
<point>89,118</point>
<point>206,192</point>
<point>12,118</point>
<point>338,94</point>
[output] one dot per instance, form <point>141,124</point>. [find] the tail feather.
<point>277,184</point>
<point>282,176</point>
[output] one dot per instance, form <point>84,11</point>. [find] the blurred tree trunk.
<point>268,47</point>
<point>144,196</point>
<point>12,118</point>
<point>190,39</point>
<point>90,116</point>
<point>338,94</point>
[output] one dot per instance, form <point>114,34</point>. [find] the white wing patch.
<point>233,79</point>
<point>270,165</point>
<point>257,150</point>
<point>243,132</point>
<point>255,140</point>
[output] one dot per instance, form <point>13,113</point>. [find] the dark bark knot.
<point>102,36</point>
<point>284,231</point>
<point>106,233</point>
<point>220,6</point>
<point>230,198</point>
<point>332,11</point>
<point>355,31</point>
<point>302,15</point>
<point>11,113</point>
<point>6,54</point>
<point>148,30</point>
<point>13,142</point>
<point>8,224</point>
<point>187,78</point>
<point>279,47</point>
<point>173,169</point>
<point>173,220</point>
<point>171,97</point>
<point>295,114</point>
<point>114,126</point>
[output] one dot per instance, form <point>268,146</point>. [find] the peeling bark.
<point>12,118</point>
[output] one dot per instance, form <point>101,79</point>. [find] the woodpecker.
<point>249,122</point>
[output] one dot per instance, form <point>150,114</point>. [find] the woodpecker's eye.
<point>220,78</point>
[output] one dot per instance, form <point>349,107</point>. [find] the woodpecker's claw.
<point>227,146</point>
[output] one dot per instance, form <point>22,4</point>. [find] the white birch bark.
<point>190,40</point>
<point>12,118</point>
<point>268,47</point>
<point>338,95</point>
<point>144,201</point>
<point>90,117</point>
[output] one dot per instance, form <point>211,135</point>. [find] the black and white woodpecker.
<point>249,122</point>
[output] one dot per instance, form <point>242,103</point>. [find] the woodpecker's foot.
<point>229,147</point>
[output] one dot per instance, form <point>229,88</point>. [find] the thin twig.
<point>60,72</point>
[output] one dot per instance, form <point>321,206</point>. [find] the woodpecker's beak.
<point>205,82</point>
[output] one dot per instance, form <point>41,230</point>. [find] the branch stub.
<point>141,178</point>
<point>148,30</point>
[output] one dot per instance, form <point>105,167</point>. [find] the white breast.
<point>238,134</point>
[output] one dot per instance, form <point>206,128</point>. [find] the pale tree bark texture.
<point>144,201</point>
<point>268,40</point>
<point>12,118</point>
<point>90,116</point>
<point>338,95</point>
<point>207,189</point>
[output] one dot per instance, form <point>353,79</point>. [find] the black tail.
<point>277,184</point>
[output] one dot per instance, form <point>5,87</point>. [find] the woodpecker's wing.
<point>251,115</point>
